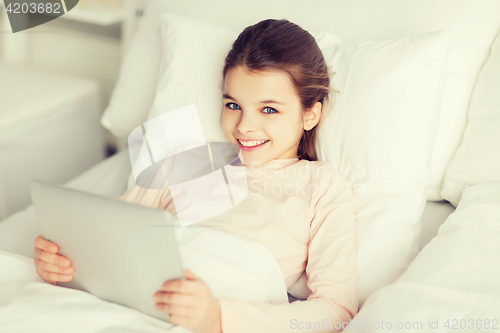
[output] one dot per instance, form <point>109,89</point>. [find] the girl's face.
<point>264,106</point>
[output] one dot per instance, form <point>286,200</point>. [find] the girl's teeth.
<point>251,143</point>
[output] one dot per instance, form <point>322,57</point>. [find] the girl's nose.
<point>247,124</point>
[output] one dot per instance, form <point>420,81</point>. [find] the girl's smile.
<point>251,145</point>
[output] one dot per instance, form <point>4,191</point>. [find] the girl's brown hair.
<point>282,45</point>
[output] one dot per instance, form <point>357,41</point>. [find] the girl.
<point>275,83</point>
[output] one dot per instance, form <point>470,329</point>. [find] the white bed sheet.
<point>232,266</point>
<point>109,178</point>
<point>434,215</point>
<point>453,283</point>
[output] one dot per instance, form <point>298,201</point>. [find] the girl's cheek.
<point>228,122</point>
<point>227,130</point>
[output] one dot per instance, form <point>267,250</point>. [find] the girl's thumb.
<point>189,274</point>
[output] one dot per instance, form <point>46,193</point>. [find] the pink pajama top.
<point>303,212</point>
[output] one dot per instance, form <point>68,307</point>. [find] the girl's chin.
<point>252,161</point>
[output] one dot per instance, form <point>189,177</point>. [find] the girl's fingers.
<point>174,298</point>
<point>46,245</point>
<point>53,277</point>
<point>181,286</point>
<point>174,310</point>
<point>48,267</point>
<point>52,258</point>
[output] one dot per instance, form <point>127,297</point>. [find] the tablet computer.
<point>121,252</point>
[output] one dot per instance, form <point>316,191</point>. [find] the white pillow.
<point>190,72</point>
<point>135,89</point>
<point>387,117</point>
<point>381,134</point>
<point>473,26</point>
<point>193,55</point>
<point>478,158</point>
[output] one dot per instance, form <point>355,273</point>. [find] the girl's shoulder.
<point>324,171</point>
<point>330,181</point>
<point>325,168</point>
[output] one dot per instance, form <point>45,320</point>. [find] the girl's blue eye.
<point>230,104</point>
<point>234,106</point>
<point>274,110</point>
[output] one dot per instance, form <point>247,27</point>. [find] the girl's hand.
<point>190,304</point>
<point>50,266</point>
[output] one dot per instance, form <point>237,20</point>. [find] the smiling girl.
<point>275,83</point>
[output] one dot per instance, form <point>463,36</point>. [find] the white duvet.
<point>454,282</point>
<point>456,277</point>
<point>236,268</point>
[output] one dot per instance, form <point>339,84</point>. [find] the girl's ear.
<point>312,116</point>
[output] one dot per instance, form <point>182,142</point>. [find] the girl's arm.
<point>332,277</point>
<point>152,198</point>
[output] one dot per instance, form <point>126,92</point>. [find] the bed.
<point>428,221</point>
<point>27,302</point>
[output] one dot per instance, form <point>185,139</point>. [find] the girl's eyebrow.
<point>269,101</point>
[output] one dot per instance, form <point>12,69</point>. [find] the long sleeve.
<point>332,276</point>
<point>152,198</point>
